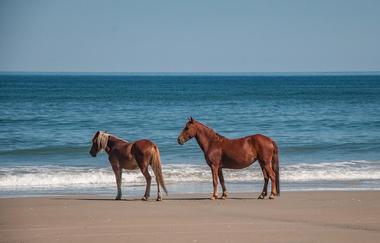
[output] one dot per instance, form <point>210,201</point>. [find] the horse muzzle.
<point>92,154</point>
<point>180,141</point>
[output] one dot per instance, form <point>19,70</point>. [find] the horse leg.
<point>118,173</point>
<point>266,179</point>
<point>148,179</point>
<point>272,177</point>
<point>214,171</point>
<point>221,180</point>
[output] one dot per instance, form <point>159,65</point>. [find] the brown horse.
<point>130,156</point>
<point>221,152</point>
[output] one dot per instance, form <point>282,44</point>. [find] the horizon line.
<point>110,73</point>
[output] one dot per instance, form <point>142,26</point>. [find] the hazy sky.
<point>189,36</point>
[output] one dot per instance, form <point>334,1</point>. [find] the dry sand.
<point>294,217</point>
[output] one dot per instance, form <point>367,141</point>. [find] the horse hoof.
<point>144,199</point>
<point>272,196</point>
<point>213,198</point>
<point>262,195</point>
<point>159,199</point>
<point>118,198</point>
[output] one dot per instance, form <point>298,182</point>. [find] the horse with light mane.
<point>130,156</point>
<point>221,152</point>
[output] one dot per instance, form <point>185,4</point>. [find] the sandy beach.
<point>294,217</point>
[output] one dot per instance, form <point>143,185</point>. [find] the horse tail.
<point>156,166</point>
<point>276,166</point>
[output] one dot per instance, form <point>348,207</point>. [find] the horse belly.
<point>238,154</point>
<point>238,162</point>
<point>130,165</point>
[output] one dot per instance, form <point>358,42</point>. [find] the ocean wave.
<point>53,177</point>
<point>83,148</point>
<point>49,150</point>
<point>318,147</point>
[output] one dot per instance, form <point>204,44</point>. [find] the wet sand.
<point>294,217</point>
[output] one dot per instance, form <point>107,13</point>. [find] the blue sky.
<point>189,36</point>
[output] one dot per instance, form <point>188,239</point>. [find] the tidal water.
<point>327,127</point>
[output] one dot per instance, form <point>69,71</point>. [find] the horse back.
<point>256,141</point>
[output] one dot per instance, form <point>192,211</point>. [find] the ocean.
<point>327,126</point>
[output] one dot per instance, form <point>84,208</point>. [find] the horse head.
<point>188,132</point>
<point>99,142</point>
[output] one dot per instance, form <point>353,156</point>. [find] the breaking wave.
<point>59,177</point>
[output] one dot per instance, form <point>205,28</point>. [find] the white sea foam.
<point>55,177</point>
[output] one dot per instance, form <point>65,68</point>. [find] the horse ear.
<point>96,134</point>
<point>191,119</point>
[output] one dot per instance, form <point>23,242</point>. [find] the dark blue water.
<point>327,127</point>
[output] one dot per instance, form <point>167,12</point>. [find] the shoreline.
<point>189,188</point>
<point>129,192</point>
<point>329,216</point>
<point>137,193</point>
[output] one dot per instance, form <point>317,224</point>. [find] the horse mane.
<point>217,135</point>
<point>102,139</point>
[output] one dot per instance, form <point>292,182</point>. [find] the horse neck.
<point>204,136</point>
<point>112,141</point>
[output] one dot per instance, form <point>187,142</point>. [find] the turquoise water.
<point>327,127</point>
